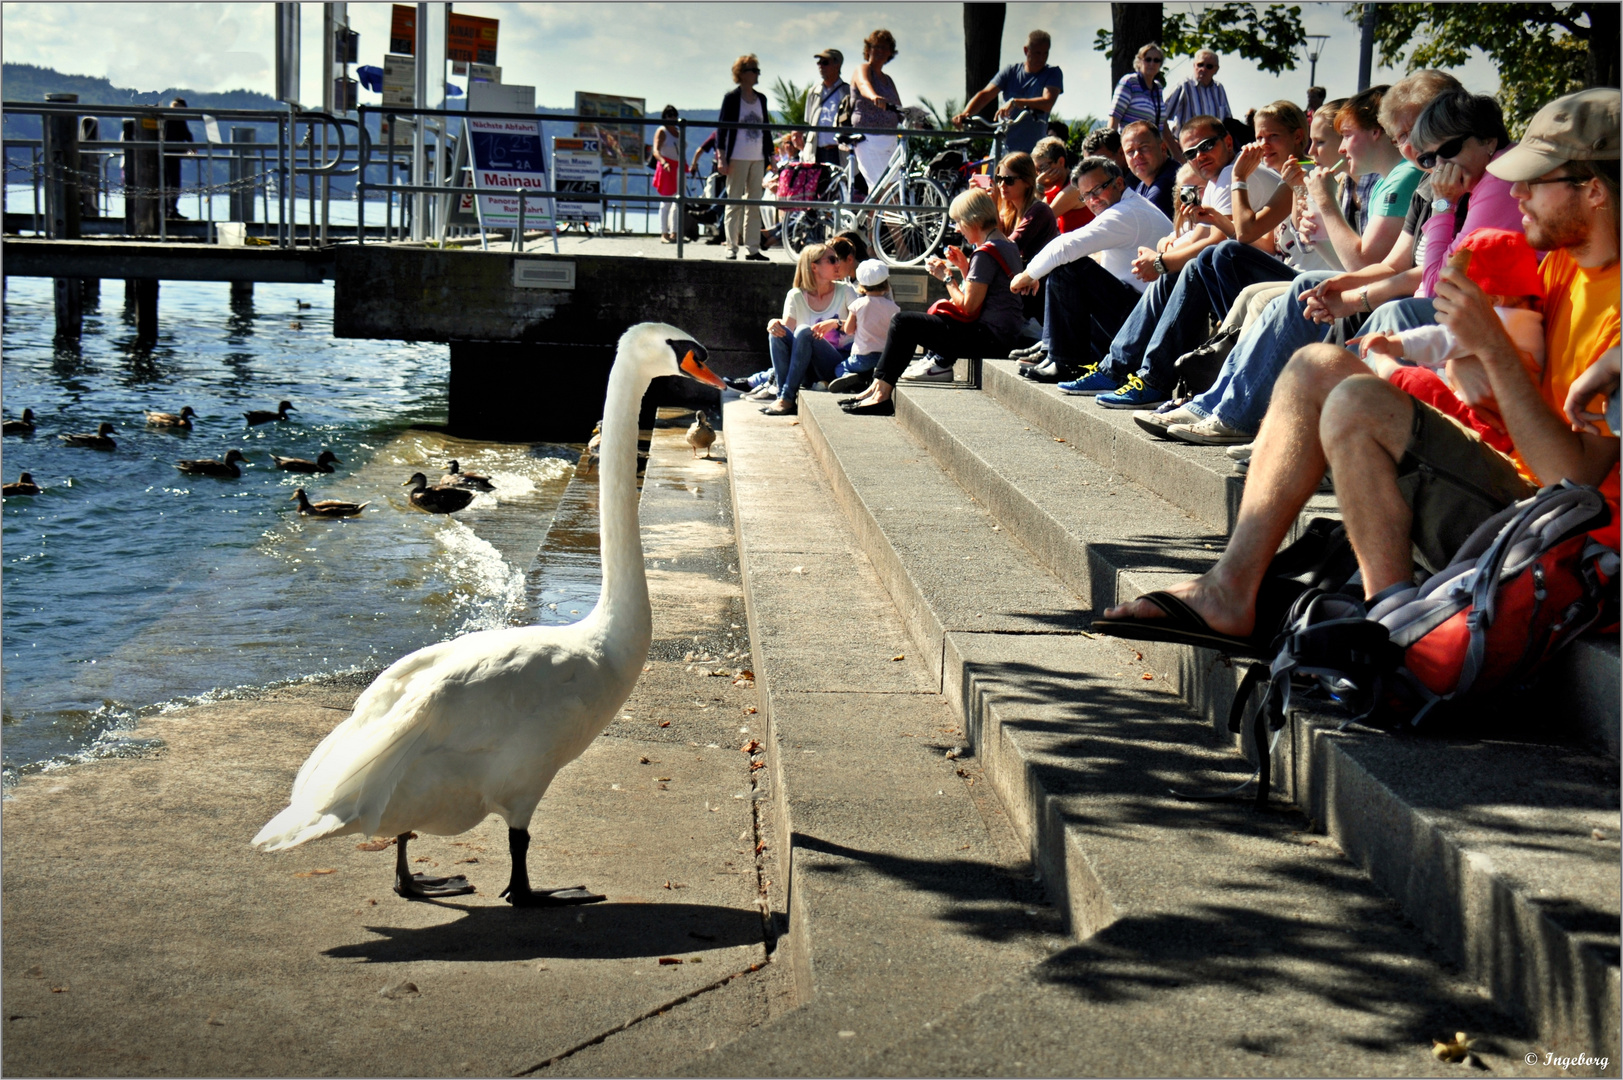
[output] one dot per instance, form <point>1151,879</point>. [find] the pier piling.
<point>64,207</point>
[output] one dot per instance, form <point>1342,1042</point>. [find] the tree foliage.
<point>1542,51</point>
<point>791,99</point>
<point>1270,36</point>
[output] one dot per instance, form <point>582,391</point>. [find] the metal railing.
<point>343,147</point>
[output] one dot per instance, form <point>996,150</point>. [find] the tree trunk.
<point>1603,45</point>
<point>983,47</point>
<point>1132,26</point>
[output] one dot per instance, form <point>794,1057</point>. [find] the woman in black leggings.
<point>986,316</point>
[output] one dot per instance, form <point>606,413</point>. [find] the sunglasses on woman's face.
<point>751,70</point>
<point>1445,152</point>
<point>1154,59</point>
<point>1006,179</point>
<point>832,260</point>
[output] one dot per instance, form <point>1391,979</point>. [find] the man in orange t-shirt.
<point>1412,483</point>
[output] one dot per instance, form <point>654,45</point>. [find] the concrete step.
<point>1535,922</point>
<point>1583,685</point>
<point>915,934</point>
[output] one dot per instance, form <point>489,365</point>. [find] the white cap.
<point>871,273</point>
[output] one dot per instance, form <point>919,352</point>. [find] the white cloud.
<point>665,52</point>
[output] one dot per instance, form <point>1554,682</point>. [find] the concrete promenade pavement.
<point>144,936</point>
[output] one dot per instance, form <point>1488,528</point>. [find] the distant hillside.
<point>29,82</point>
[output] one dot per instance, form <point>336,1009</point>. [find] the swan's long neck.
<point>623,605</point>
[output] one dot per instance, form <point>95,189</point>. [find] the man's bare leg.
<point>1365,430</point>
<point>1287,464</point>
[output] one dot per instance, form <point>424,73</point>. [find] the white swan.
<point>481,724</point>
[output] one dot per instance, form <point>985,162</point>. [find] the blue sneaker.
<point>1136,394</point>
<point>1091,381</point>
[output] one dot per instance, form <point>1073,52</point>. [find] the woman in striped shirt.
<point>1138,95</point>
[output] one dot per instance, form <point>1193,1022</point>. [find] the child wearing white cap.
<point>869,322</point>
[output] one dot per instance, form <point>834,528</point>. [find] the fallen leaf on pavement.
<point>898,656</point>
<point>760,847</point>
<point>757,765</point>
<point>668,960</point>
<point>1453,1050</point>
<point>664,723</point>
<point>1147,676</point>
<point>319,873</point>
<point>750,747</point>
<point>674,885</point>
<point>644,761</point>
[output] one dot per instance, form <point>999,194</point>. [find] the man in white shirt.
<point>822,103</point>
<point>1085,294</point>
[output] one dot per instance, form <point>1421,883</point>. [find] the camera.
<point>1188,195</point>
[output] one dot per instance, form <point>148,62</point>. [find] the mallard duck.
<point>436,500</point>
<point>700,434</point>
<point>211,467</point>
<point>455,477</point>
<point>295,325</point>
<point>261,416</point>
<point>330,508</point>
<point>323,463</point>
<point>182,419</point>
<point>24,486</point>
<point>481,724</point>
<point>25,426</point>
<point>97,441</point>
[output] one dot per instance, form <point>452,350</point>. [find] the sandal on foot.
<point>1181,626</point>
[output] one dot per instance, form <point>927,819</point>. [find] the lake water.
<point>128,585</point>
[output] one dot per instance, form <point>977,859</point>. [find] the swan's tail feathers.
<point>297,825</point>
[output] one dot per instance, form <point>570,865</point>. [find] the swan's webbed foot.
<point>518,891</point>
<point>569,897</point>
<point>421,886</point>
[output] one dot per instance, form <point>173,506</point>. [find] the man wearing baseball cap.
<point>1412,482</point>
<point>822,104</point>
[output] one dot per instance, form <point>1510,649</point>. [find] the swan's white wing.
<point>467,697</point>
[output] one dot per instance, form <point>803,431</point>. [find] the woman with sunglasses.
<point>980,318</point>
<point>1457,135</point>
<point>741,156</point>
<point>813,312</point>
<point>1023,216</point>
<point>876,104</point>
<point>1138,95</point>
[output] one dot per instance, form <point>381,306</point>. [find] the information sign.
<point>618,131</point>
<point>577,167</point>
<point>471,39</point>
<point>508,155</point>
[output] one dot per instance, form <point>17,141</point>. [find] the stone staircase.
<point>998,521</point>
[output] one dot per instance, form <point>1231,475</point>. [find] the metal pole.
<point>518,233</point>
<point>163,185</point>
<point>419,136</point>
<point>682,185</point>
<point>1366,47</point>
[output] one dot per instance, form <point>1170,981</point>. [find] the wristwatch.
<point>1160,267</point>
<point>1440,205</point>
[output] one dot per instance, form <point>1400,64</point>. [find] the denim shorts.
<point>1453,482</point>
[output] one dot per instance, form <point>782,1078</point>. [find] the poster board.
<point>399,80</point>
<point>577,166</point>
<point>471,39</point>
<point>618,128</point>
<point>508,155</point>
<point>403,29</point>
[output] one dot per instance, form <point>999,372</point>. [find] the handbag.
<point>949,309</point>
<point>665,177</point>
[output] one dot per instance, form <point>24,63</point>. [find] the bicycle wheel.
<point>802,228</point>
<point>911,222</point>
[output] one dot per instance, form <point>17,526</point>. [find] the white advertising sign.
<point>577,166</point>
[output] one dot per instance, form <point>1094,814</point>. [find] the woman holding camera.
<point>980,317</point>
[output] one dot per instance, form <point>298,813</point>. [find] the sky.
<point>667,53</point>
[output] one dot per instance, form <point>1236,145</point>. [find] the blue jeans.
<point>1171,318</point>
<point>1395,316</point>
<point>858,363</point>
<point>801,357</point>
<point>1245,384</point>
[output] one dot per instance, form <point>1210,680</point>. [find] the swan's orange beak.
<point>692,365</point>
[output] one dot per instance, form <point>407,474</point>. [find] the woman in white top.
<point>741,155</point>
<point>817,306</point>
<point>668,172</point>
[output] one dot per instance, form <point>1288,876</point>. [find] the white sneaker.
<point>1157,423</point>
<point>819,386</point>
<point>1209,432</point>
<point>1241,452</point>
<point>933,373</point>
<point>764,392</point>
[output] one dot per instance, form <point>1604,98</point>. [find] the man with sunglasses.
<point>1088,296</point>
<point>822,105</point>
<point>1032,86</point>
<point>1201,95</point>
<point>1412,482</point>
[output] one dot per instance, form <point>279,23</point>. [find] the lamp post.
<point>1315,49</point>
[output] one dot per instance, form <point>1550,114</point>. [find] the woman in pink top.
<point>1458,134</point>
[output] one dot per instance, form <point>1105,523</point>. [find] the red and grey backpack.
<point>1522,586</point>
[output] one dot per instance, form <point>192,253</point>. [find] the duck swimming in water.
<point>328,508</point>
<point>436,500</point>
<point>25,426</point>
<point>455,477</point>
<point>24,486</point>
<point>211,467</point>
<point>182,419</point>
<point>97,440</point>
<point>262,416</point>
<point>481,724</point>
<point>322,464</point>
